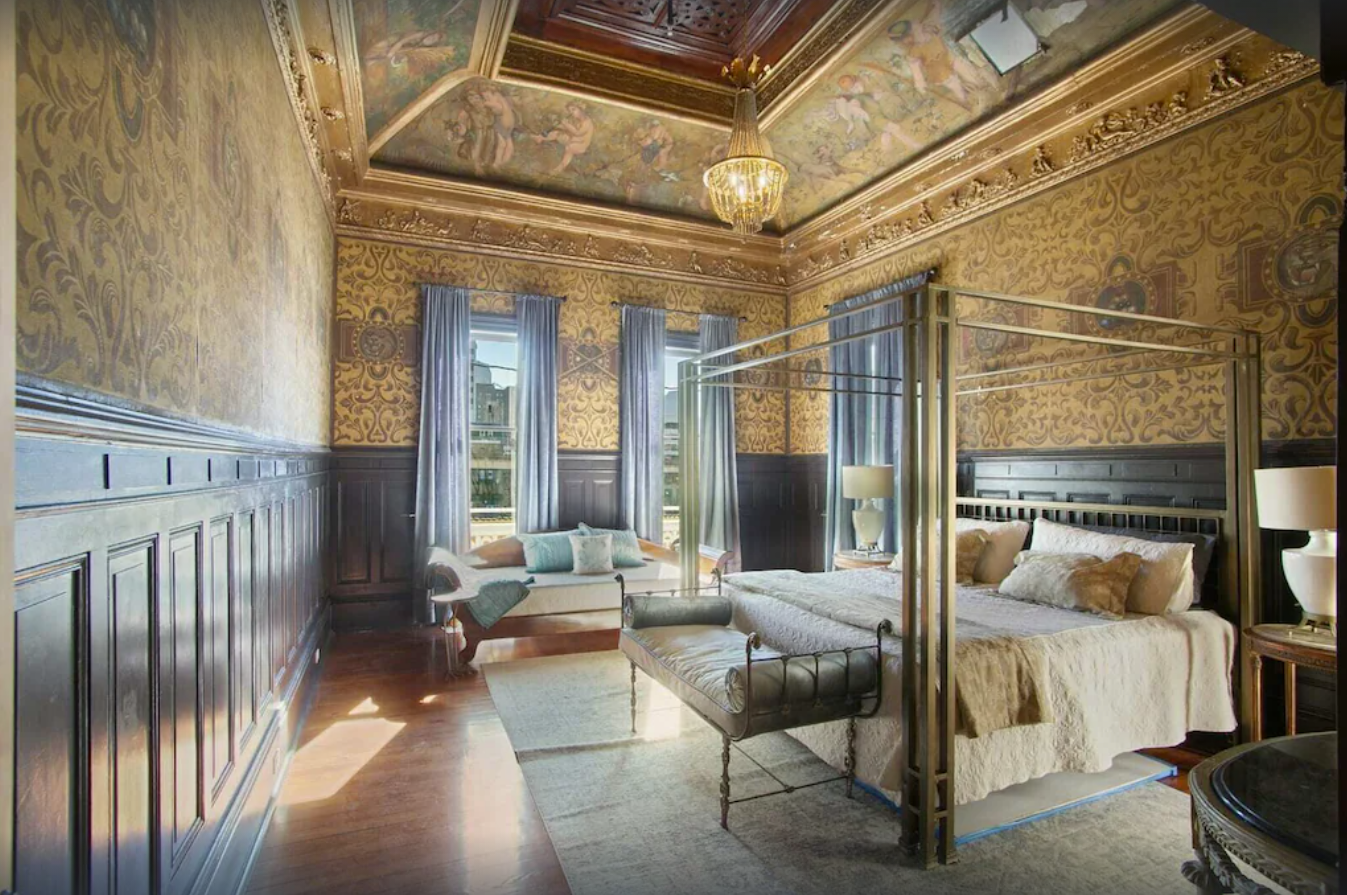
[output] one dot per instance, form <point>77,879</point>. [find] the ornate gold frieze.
<point>366,216</point>
<point>293,69</point>
<point>1099,140</point>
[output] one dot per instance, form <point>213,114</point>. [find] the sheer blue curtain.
<point>719,469</point>
<point>865,429</point>
<point>641,420</point>
<point>536,501</point>
<point>443,491</point>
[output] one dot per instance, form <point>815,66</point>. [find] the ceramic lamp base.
<point>868,519</point>
<point>1312,573</point>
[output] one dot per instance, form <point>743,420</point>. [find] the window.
<point>678,348</point>
<point>492,421</point>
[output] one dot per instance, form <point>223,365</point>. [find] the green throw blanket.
<point>495,598</point>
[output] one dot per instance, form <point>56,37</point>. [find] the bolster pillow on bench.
<point>653,611</point>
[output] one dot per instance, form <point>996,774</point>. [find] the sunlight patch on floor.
<point>367,707</point>
<point>355,743</point>
<point>662,716</point>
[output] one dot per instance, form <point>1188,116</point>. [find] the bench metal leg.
<point>725,781</point>
<point>850,766</point>
<point>633,698</point>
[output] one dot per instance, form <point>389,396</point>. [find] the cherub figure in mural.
<point>656,145</point>
<point>483,129</point>
<point>503,123</point>
<point>936,65</point>
<point>573,133</point>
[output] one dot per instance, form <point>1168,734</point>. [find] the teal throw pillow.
<point>626,548</point>
<point>549,552</point>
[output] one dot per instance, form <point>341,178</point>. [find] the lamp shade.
<point>1298,498</point>
<point>867,482</point>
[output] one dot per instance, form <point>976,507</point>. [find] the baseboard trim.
<point>239,842</point>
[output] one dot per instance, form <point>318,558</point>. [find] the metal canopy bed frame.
<point>927,391</point>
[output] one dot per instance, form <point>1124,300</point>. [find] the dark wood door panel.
<point>397,508</point>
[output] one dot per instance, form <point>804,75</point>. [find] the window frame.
<point>495,328</point>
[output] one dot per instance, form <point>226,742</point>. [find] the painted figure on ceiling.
<point>656,144</point>
<point>936,65</point>
<point>573,134</point>
<point>503,123</point>
<point>483,129</point>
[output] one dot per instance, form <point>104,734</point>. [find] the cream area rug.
<point>640,815</point>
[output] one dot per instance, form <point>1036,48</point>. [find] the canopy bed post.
<point>945,324</point>
<point>1244,440</point>
<point>909,515</point>
<point>689,515</point>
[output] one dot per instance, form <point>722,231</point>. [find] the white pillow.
<point>1004,542</point>
<point>593,554</point>
<point>1164,583</point>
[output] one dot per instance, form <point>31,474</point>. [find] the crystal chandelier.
<point>746,187</point>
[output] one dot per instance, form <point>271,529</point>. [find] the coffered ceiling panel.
<point>551,141</point>
<point>909,88</point>
<point>699,38</point>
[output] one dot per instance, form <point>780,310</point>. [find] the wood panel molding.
<point>172,593</point>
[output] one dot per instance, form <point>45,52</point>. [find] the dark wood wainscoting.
<point>170,605</point>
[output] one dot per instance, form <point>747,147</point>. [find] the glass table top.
<point>1288,790</point>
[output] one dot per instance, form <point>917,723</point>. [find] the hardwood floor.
<point>406,782</point>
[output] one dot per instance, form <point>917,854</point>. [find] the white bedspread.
<point>1114,686</point>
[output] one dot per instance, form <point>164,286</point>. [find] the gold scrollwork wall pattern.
<point>375,374</point>
<point>1233,223</point>
<point>173,247</point>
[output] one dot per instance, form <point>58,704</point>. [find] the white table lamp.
<point>869,485</point>
<point>1305,498</point>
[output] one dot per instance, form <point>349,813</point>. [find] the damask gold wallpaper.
<point>375,378</point>
<point>174,248</point>
<point>1234,223</point>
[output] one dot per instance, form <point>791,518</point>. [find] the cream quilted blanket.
<point>1002,677</point>
<point>1112,686</point>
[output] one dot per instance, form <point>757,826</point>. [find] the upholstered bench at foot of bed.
<point>686,645</point>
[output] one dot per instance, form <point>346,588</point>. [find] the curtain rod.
<point>930,275</point>
<point>632,304</point>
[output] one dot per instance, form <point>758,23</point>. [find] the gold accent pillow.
<point>1078,581</point>
<point>969,547</point>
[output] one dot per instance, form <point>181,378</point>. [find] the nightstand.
<point>1292,646</point>
<point>848,559</point>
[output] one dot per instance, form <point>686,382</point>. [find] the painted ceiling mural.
<point>550,141</point>
<point>909,88</point>
<point>406,46</point>
<point>901,92</point>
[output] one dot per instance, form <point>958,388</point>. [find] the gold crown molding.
<point>537,63</point>
<point>489,40</point>
<point>1211,87</point>
<point>295,61</point>
<point>846,26</point>
<point>349,89</point>
<point>374,217</point>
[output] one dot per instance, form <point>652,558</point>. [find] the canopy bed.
<point>1082,688</point>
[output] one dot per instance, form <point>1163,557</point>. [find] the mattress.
<point>1113,686</point>
<point>555,593</point>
